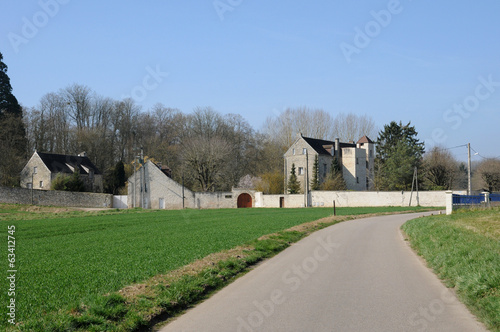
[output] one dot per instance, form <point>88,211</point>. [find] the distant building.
<point>356,160</point>
<point>43,168</point>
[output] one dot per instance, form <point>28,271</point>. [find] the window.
<point>293,151</point>
<point>35,169</point>
<point>301,170</point>
<point>41,184</point>
<point>304,151</point>
<point>357,161</point>
<point>371,153</point>
<point>228,196</point>
<point>30,185</point>
<point>357,179</point>
<point>324,169</point>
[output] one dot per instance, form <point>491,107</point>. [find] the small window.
<point>301,170</point>
<point>35,170</point>
<point>324,169</point>
<point>41,184</point>
<point>228,196</point>
<point>357,161</point>
<point>30,185</point>
<point>357,179</point>
<point>293,151</point>
<point>304,151</point>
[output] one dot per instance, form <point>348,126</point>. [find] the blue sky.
<point>434,63</point>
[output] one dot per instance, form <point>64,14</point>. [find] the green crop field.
<point>68,259</point>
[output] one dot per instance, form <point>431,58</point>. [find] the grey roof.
<point>319,145</point>
<point>60,163</point>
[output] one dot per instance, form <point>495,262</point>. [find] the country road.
<point>358,275</point>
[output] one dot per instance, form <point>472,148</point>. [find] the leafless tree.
<point>440,169</point>
<point>489,173</point>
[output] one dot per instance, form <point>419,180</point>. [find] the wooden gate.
<point>244,201</point>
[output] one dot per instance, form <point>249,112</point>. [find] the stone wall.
<point>55,198</point>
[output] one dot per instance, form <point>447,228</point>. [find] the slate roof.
<point>319,145</point>
<point>60,163</point>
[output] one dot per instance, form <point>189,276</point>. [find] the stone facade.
<point>356,159</point>
<point>43,168</point>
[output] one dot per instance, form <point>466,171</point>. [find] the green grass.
<point>464,251</point>
<point>71,260</point>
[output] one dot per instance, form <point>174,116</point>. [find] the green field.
<point>73,258</point>
<point>464,250</point>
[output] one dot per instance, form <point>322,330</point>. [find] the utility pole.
<point>469,187</point>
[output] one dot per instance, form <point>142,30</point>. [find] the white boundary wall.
<point>355,199</point>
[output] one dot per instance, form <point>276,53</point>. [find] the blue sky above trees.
<point>432,63</point>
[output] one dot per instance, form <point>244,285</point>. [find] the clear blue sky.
<point>256,58</point>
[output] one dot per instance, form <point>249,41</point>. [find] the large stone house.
<point>43,168</point>
<point>356,160</point>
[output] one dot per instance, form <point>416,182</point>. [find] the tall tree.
<point>315,175</point>
<point>335,179</point>
<point>293,182</point>
<point>13,141</point>
<point>399,151</point>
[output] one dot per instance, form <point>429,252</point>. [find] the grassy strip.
<point>464,251</point>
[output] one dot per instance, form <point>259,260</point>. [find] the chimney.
<point>337,146</point>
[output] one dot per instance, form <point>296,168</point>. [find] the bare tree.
<point>205,161</point>
<point>351,127</point>
<point>440,169</point>
<point>489,172</point>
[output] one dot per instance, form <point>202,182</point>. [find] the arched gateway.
<point>244,201</point>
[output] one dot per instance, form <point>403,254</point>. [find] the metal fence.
<point>494,197</point>
<point>468,199</point>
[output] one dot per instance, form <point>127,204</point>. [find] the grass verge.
<point>123,270</point>
<point>463,249</point>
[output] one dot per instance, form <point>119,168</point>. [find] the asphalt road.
<point>358,275</point>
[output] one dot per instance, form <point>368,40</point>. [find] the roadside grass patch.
<point>464,251</point>
<point>121,270</point>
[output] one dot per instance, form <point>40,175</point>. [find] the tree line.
<point>205,149</point>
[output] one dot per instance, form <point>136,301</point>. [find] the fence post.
<point>486,198</point>
<point>449,202</point>
<point>334,210</point>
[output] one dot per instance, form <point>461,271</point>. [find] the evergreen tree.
<point>398,153</point>
<point>315,175</point>
<point>335,179</point>
<point>115,178</point>
<point>12,132</point>
<point>293,183</point>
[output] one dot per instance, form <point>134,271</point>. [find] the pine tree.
<point>335,179</point>
<point>12,132</point>
<point>293,183</point>
<point>315,175</point>
<point>398,153</point>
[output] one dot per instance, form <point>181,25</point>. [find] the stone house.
<point>43,168</point>
<point>151,187</point>
<point>356,159</point>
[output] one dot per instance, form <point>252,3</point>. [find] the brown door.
<point>244,201</point>
<point>282,202</point>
